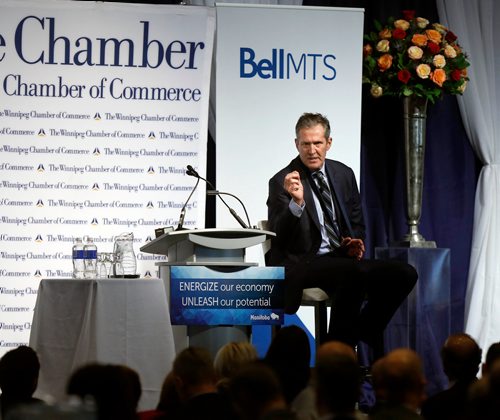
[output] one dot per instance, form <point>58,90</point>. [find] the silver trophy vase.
<point>415,116</point>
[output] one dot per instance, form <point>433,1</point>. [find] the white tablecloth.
<point>119,321</point>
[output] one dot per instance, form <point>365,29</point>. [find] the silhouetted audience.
<point>492,355</point>
<point>229,359</point>
<point>169,404</point>
<point>337,381</point>
<point>115,389</point>
<point>19,369</point>
<point>461,357</point>
<point>195,381</point>
<point>289,355</point>
<point>256,394</point>
<point>399,384</point>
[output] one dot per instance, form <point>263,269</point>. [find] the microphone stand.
<point>233,213</point>
<point>183,210</point>
<point>192,172</point>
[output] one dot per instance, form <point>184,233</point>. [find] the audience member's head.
<point>484,395</point>
<point>492,355</point>
<point>19,369</point>
<point>337,378</point>
<point>256,392</point>
<point>461,357</point>
<point>170,401</point>
<point>398,379</point>
<point>231,356</point>
<point>193,372</point>
<point>116,389</point>
<point>289,356</point>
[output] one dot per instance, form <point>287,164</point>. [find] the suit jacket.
<point>298,239</point>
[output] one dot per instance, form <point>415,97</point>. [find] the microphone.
<point>183,210</point>
<point>192,172</point>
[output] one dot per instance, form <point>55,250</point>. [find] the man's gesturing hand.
<point>293,186</point>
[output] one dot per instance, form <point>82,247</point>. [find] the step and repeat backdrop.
<point>102,107</point>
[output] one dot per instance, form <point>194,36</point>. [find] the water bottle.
<point>78,260</point>
<point>90,258</point>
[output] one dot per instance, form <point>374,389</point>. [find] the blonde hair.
<point>231,356</point>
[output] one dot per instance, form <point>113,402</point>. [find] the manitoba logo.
<point>152,136</point>
<point>151,170</point>
<point>38,238</point>
<point>150,205</point>
<point>96,152</point>
<point>39,203</point>
<point>97,116</point>
<point>40,168</point>
<point>41,133</point>
<point>95,187</point>
<point>94,222</point>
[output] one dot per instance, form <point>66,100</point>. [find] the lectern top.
<point>215,238</point>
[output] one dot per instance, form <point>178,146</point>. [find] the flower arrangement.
<point>411,56</point>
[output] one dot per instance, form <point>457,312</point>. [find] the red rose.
<point>408,14</point>
<point>450,37</point>
<point>433,47</point>
<point>456,75</point>
<point>404,76</point>
<point>398,34</point>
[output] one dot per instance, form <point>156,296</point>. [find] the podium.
<point>221,250</point>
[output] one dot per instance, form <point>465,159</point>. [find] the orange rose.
<point>433,35</point>
<point>438,76</point>
<point>367,50</point>
<point>415,53</point>
<point>402,24</point>
<point>420,40</point>
<point>439,61</point>
<point>384,62</point>
<point>385,33</point>
<point>423,71</point>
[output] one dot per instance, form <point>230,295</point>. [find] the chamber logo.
<point>38,273</point>
<point>150,205</point>
<point>95,187</point>
<point>151,170</point>
<point>39,203</point>
<point>94,222</point>
<point>149,239</point>
<point>38,238</point>
<point>96,151</point>
<point>40,168</point>
<point>147,275</point>
<point>97,116</point>
<point>41,133</point>
<point>152,136</point>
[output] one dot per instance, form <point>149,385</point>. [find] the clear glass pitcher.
<point>125,263</point>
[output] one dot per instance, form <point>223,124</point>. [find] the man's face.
<point>312,146</point>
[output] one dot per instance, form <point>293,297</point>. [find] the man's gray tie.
<point>325,197</point>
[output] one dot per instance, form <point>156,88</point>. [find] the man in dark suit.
<point>319,240</point>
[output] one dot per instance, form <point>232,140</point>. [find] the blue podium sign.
<point>201,295</point>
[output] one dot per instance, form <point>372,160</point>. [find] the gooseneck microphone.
<point>192,172</point>
<point>183,210</point>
